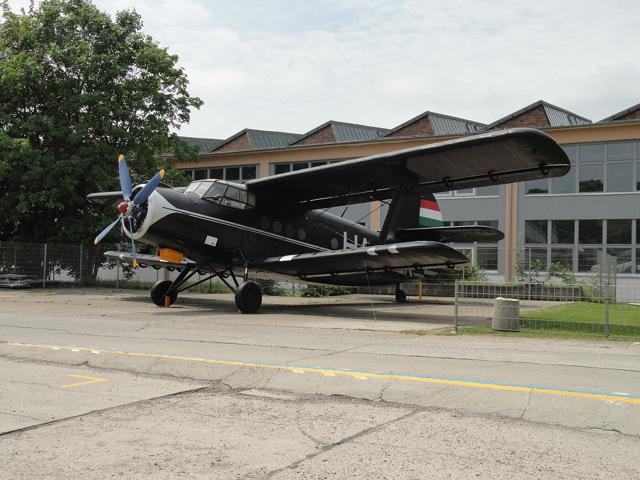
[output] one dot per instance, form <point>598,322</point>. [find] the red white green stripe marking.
<point>430,215</point>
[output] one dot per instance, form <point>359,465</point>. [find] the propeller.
<point>128,207</point>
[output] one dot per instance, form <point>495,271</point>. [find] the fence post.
<point>606,312</point>
<point>455,306</point>
<point>118,269</point>
<point>80,265</point>
<point>44,266</point>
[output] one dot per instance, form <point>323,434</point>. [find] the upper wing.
<point>372,258</point>
<point>492,158</point>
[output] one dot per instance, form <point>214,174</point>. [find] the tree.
<point>76,89</point>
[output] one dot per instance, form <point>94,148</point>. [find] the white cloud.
<point>290,65</point>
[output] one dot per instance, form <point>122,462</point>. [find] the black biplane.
<point>280,224</point>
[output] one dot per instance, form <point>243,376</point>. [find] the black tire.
<point>159,291</point>
<point>401,296</point>
<point>248,297</point>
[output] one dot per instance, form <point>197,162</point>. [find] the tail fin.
<point>412,210</point>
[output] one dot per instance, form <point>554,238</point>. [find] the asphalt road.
<point>103,384</point>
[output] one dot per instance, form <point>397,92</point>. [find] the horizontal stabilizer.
<point>463,234</point>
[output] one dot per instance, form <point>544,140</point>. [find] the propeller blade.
<point>134,262</point>
<point>125,179</point>
<point>104,232</point>
<point>148,189</point>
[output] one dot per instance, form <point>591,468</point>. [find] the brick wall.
<point>240,144</point>
<point>417,128</point>
<point>633,115</point>
<point>536,118</point>
<point>324,135</point>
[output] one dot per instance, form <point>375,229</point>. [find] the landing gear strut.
<point>401,295</point>
<point>248,295</point>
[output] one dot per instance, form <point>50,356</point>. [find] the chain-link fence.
<point>55,265</point>
<point>552,296</point>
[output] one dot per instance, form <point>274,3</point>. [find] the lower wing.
<point>379,258</point>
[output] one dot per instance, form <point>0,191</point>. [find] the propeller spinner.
<point>127,207</point>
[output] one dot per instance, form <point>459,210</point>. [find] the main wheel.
<point>159,292</point>
<point>401,296</point>
<point>248,297</point>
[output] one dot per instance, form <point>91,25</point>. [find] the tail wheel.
<point>248,297</point>
<point>159,294</point>
<point>401,296</point>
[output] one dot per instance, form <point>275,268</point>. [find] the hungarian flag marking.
<point>430,215</point>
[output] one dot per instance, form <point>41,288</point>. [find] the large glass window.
<point>562,231</point>
<point>533,257</point>
<point>566,183</point>
<point>217,173</point>
<point>620,151</point>
<point>591,177</point>
<point>489,223</point>
<point>533,187</point>
<point>232,173</point>
<point>487,257</point>
<point>572,152</point>
<point>535,231</point>
<point>200,174</point>
<point>282,168</point>
<point>249,172</point>
<point>588,259</point>
<point>590,231</point>
<point>563,256</point>
<point>620,177</point>
<point>592,153</point>
<point>618,231</point>
<point>622,258</point>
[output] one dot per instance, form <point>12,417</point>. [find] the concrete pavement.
<point>373,402</point>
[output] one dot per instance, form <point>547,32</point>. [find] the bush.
<point>325,291</point>
<point>269,287</point>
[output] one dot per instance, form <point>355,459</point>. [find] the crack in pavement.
<point>328,447</point>
<point>101,410</point>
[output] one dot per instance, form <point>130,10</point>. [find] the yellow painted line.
<point>87,381</point>
<point>354,374</point>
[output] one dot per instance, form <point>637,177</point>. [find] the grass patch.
<point>585,312</point>
<point>414,332</point>
<point>538,333</point>
<point>584,317</point>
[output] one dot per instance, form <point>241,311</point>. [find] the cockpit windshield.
<point>227,194</point>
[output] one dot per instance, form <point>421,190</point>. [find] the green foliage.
<point>562,271</point>
<point>473,273</point>
<point>325,291</point>
<point>76,89</point>
<point>269,287</point>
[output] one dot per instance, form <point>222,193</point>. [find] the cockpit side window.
<point>229,195</point>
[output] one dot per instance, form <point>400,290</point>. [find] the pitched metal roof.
<point>443,124</point>
<point>205,144</point>
<point>262,139</point>
<point>557,116</point>
<point>622,113</point>
<point>346,132</point>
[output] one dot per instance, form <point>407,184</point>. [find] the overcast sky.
<point>292,65</point>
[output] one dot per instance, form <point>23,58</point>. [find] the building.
<point>571,220</point>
